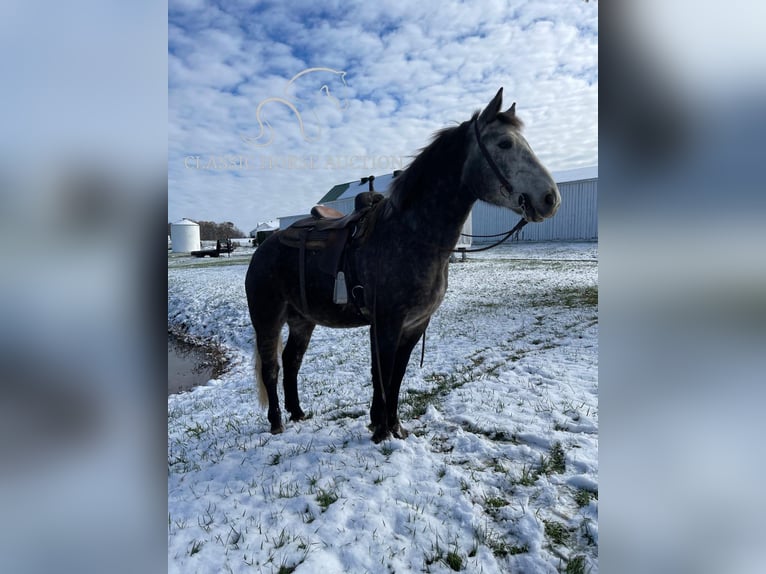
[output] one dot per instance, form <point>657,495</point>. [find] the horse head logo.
<point>295,104</point>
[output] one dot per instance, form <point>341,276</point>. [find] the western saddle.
<point>329,232</point>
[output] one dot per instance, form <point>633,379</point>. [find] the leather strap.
<point>506,184</point>
<point>302,271</point>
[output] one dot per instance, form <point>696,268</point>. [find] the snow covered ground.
<point>500,473</point>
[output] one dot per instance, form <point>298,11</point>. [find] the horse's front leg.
<point>383,344</point>
<point>407,343</point>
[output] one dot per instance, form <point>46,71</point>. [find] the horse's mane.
<point>439,159</point>
<point>446,152</point>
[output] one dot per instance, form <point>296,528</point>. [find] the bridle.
<point>506,184</point>
<point>508,187</point>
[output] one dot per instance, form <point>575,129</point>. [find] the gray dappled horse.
<point>396,268</point>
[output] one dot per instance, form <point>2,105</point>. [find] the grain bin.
<point>184,235</point>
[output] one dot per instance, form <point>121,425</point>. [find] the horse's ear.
<point>509,114</point>
<point>493,108</point>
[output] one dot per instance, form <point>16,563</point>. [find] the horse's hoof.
<point>380,434</point>
<point>399,431</point>
<point>277,430</point>
<point>299,415</point>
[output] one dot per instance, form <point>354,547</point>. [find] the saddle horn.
<point>369,179</point>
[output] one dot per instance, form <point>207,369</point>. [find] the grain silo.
<point>184,236</point>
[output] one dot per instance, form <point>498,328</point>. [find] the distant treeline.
<point>211,231</point>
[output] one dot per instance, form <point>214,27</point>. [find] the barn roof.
<point>575,174</point>
<point>353,188</point>
<point>265,226</point>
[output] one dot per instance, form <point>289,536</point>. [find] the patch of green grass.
<point>556,532</point>
<point>576,565</point>
<point>325,498</point>
<point>495,502</point>
<point>556,461</point>
<point>452,558</point>
<point>569,297</point>
<point>494,435</point>
<point>496,543</point>
<point>313,480</point>
<point>454,561</point>
<point>582,497</point>
<point>528,476</point>
<point>196,430</point>
<point>196,547</point>
<point>417,401</point>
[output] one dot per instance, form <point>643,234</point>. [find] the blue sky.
<point>371,82</point>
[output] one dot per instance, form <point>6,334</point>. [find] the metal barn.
<point>576,219</point>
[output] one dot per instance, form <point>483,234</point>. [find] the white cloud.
<point>410,70</point>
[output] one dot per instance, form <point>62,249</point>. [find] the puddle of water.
<point>188,366</point>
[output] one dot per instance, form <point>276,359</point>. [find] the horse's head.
<point>502,169</point>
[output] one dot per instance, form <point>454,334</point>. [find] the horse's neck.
<point>436,205</point>
<point>438,217</point>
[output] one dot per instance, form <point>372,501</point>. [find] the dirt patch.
<point>192,363</point>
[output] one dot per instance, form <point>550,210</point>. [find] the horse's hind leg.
<point>292,357</point>
<point>268,343</point>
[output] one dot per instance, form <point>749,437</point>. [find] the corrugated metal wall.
<point>343,205</point>
<point>576,219</point>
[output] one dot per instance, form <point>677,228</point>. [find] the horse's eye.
<point>505,144</point>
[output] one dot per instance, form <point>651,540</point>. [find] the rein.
<point>508,187</point>
<point>506,235</point>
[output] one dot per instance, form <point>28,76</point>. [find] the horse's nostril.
<point>550,198</point>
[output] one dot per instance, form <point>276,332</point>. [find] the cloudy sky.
<point>273,103</point>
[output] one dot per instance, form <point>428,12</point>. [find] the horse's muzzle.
<point>545,209</point>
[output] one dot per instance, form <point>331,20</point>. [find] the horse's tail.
<point>263,397</point>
